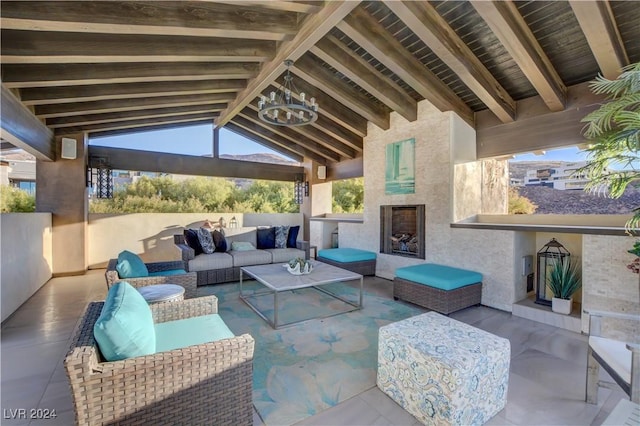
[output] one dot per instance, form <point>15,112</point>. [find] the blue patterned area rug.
<point>303,369</point>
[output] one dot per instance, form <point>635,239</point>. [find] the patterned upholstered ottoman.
<point>361,262</point>
<point>443,371</point>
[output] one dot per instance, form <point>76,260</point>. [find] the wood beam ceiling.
<point>365,30</point>
<point>435,32</point>
<point>142,122</point>
<point>362,73</point>
<point>599,27</point>
<point>513,32</point>
<point>313,29</point>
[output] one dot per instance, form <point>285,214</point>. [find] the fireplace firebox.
<point>402,230</point>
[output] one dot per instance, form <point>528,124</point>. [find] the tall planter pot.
<point>561,306</point>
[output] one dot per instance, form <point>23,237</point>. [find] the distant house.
<point>561,177</point>
<point>18,173</point>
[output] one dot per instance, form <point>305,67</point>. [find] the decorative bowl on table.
<point>299,266</point>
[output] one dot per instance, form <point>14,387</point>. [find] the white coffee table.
<point>160,293</point>
<point>277,280</point>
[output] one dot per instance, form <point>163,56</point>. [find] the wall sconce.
<point>300,189</point>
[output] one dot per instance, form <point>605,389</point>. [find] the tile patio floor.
<point>546,383</point>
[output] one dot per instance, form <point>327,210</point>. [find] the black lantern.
<point>548,255</point>
<point>300,189</point>
<point>233,223</point>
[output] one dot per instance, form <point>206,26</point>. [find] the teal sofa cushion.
<point>167,273</point>
<point>439,276</point>
<point>131,266</point>
<point>346,255</point>
<point>190,331</point>
<point>124,328</point>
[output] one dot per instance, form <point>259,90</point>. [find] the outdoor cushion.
<point>190,331</point>
<point>282,232</point>
<point>251,257</point>
<point>191,238</point>
<point>242,246</point>
<point>266,238</point>
<point>614,353</point>
<point>216,260</point>
<point>125,326</point>
<point>131,266</point>
<point>206,240</point>
<point>347,255</point>
<point>219,241</point>
<point>283,255</point>
<point>439,276</point>
<point>293,236</point>
<point>167,273</point>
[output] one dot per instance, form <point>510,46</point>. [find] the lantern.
<point>548,255</point>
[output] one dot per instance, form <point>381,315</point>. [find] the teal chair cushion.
<point>167,273</point>
<point>124,328</point>
<point>131,266</point>
<point>190,331</point>
<point>439,276</point>
<point>347,255</point>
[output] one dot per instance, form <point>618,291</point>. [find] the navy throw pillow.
<point>293,236</point>
<point>219,241</point>
<point>266,238</point>
<point>191,237</point>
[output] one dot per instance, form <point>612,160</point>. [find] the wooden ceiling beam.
<point>599,27</point>
<point>515,35</point>
<point>55,75</point>
<point>151,128</point>
<point>128,104</point>
<point>145,161</point>
<point>170,18</point>
<point>114,117</point>
<point>133,125</point>
<point>313,29</point>
<point>22,129</point>
<point>247,116</point>
<point>362,73</point>
<point>265,133</point>
<point>365,30</point>
<point>287,6</point>
<point>311,70</point>
<point>286,151</point>
<point>32,47</point>
<point>332,109</point>
<point>423,19</point>
<point>313,134</point>
<point>50,95</point>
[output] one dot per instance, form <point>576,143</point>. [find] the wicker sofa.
<point>219,267</point>
<point>188,280</point>
<point>209,383</point>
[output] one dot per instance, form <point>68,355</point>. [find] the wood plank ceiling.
<point>123,66</point>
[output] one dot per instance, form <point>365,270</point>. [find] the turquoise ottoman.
<point>443,371</point>
<point>361,262</point>
<point>443,289</point>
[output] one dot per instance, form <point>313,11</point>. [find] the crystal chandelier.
<point>282,109</point>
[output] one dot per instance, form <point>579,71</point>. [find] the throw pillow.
<point>206,240</point>
<point>281,236</point>
<point>242,246</point>
<point>131,266</point>
<point>293,236</point>
<point>191,238</point>
<point>220,241</point>
<point>266,238</point>
<point>125,328</point>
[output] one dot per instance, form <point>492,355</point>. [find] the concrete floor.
<point>546,382</point>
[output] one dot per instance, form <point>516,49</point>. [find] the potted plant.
<point>563,281</point>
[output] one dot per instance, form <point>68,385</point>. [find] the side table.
<point>161,293</point>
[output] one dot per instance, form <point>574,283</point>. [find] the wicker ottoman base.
<point>443,301</point>
<point>366,267</point>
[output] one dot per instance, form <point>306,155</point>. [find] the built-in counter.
<point>324,230</point>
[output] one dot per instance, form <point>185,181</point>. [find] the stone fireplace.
<point>402,230</point>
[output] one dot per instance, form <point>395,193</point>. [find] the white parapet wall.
<point>151,234</point>
<point>27,258</point>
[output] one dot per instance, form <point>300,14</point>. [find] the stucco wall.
<point>449,188</point>
<point>26,255</point>
<point>151,234</point>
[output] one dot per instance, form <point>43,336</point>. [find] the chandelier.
<point>282,109</point>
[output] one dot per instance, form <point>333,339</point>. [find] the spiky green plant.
<point>613,132</point>
<point>564,279</point>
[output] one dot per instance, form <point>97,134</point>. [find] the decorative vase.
<point>298,270</point>
<point>561,306</point>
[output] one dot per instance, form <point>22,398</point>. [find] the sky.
<point>198,140</point>
<point>191,140</point>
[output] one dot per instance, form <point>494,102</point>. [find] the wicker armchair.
<point>188,280</point>
<point>202,384</point>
